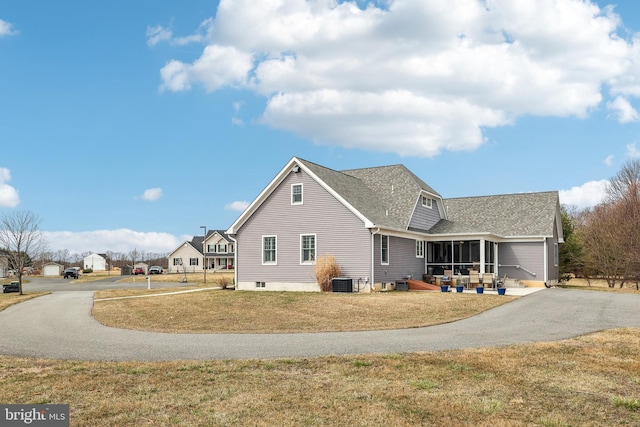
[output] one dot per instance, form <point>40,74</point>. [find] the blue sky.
<point>130,124</point>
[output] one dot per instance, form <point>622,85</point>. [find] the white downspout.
<point>373,244</point>
<point>546,261</point>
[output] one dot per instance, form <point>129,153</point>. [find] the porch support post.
<point>483,244</point>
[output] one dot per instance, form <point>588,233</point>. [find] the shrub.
<point>87,270</point>
<point>223,281</point>
<point>327,268</point>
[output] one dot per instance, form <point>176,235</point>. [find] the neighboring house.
<point>51,269</point>
<point>96,262</point>
<point>220,251</point>
<point>385,224</point>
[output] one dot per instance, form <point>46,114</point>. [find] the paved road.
<point>60,326</point>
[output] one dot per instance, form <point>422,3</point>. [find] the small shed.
<point>52,269</point>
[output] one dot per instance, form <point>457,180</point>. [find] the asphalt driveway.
<point>60,326</point>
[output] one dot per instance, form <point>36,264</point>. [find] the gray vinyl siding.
<point>529,255</point>
<point>338,232</point>
<point>402,260</point>
<point>553,270</point>
<point>423,217</point>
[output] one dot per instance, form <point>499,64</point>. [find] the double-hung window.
<point>193,261</point>
<point>269,250</point>
<point>177,261</point>
<point>384,249</point>
<point>426,202</point>
<point>296,194</point>
<point>307,248</point>
<point>419,248</point>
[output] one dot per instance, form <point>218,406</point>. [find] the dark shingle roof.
<point>508,215</point>
<point>386,195</point>
<point>197,241</point>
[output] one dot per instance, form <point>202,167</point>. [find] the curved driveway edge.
<point>60,326</point>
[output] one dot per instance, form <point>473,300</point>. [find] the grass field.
<point>588,381</point>
<point>592,380</point>
<point>218,311</point>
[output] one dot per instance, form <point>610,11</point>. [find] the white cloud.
<point>217,67</point>
<point>8,195</point>
<point>585,196</point>
<point>239,206</point>
<point>623,110</point>
<point>119,240</point>
<point>159,33</point>
<point>152,194</point>
<point>6,29</point>
<point>609,160</point>
<point>414,77</point>
<point>632,151</point>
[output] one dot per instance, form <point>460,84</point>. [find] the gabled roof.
<point>396,189</point>
<point>386,197</point>
<point>381,196</point>
<point>506,215</point>
<point>197,241</point>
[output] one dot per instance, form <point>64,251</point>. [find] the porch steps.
<point>418,285</point>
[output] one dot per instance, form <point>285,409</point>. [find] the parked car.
<point>139,270</point>
<point>73,273</point>
<point>11,287</point>
<point>155,269</point>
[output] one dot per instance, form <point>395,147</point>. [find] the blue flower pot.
<point>480,290</point>
<point>502,291</point>
<point>444,288</point>
<point>459,289</point>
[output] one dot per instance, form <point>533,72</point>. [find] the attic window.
<point>296,194</point>
<point>426,202</point>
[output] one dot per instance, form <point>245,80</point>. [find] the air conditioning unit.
<point>341,284</point>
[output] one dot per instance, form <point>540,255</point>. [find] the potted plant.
<point>500,287</point>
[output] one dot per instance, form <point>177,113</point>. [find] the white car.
<point>155,269</point>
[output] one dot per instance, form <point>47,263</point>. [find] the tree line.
<point>604,241</point>
<point>114,259</point>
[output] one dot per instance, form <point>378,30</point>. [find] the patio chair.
<point>487,280</point>
<point>474,279</point>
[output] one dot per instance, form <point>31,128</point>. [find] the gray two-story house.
<point>384,224</point>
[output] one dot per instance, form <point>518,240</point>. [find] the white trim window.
<point>194,261</point>
<point>419,248</point>
<point>296,194</point>
<point>269,250</point>
<point>177,261</point>
<point>427,202</point>
<point>307,249</point>
<point>384,249</point>
<point>556,255</point>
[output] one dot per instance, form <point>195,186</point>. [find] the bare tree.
<point>611,231</point>
<point>22,240</point>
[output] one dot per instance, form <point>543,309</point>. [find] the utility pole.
<point>204,253</point>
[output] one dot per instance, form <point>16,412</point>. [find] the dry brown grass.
<point>599,285</point>
<point>12,298</point>
<point>216,311</point>
<point>588,381</point>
